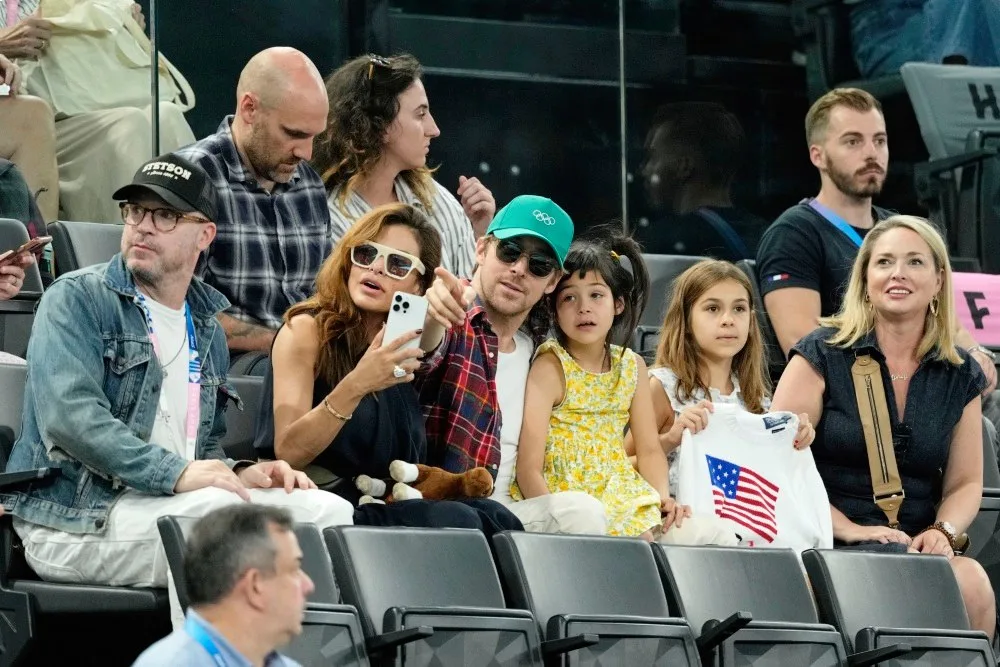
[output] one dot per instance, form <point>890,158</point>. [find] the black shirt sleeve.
<point>790,254</point>
<point>814,349</point>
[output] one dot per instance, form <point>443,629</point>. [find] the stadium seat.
<point>76,245</point>
<point>752,604</point>
<point>775,356</point>
<point>663,269</point>
<point>74,602</point>
<point>331,633</point>
<point>430,596</point>
<point>877,599</point>
<point>605,587</point>
<point>240,424</point>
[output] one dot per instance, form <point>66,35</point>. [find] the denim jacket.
<point>91,397</point>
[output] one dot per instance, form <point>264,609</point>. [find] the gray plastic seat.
<point>877,599</point>
<point>663,270</point>
<point>607,587</point>
<point>753,604</point>
<point>430,596</point>
<point>241,424</point>
<point>76,245</point>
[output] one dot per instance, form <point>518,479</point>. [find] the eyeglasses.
<point>540,265</point>
<point>374,60</point>
<point>398,264</point>
<point>164,219</point>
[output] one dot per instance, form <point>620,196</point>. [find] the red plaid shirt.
<point>458,392</point>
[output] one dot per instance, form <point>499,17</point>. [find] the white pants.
<point>100,151</point>
<point>701,529</point>
<point>570,512</point>
<point>129,551</point>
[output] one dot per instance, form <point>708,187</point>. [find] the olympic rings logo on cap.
<point>543,217</point>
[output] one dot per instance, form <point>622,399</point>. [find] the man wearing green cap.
<point>479,370</point>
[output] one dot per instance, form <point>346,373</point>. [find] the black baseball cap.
<point>182,184</point>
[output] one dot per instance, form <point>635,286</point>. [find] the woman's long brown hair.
<point>679,351</point>
<point>342,336</point>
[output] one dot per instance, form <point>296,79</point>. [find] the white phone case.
<point>407,313</point>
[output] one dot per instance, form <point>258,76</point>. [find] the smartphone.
<point>35,245</point>
<point>406,313</point>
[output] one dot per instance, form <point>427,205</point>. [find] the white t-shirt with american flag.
<point>744,469</point>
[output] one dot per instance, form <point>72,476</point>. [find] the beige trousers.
<point>100,151</point>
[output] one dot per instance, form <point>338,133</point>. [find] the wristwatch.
<point>959,543</point>
<point>985,350</point>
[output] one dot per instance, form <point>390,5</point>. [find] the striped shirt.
<point>458,240</point>
<point>269,245</point>
<point>25,8</point>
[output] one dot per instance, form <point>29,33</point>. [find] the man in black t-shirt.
<point>693,151</point>
<point>804,259</point>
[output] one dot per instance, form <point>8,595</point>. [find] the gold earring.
<point>934,305</point>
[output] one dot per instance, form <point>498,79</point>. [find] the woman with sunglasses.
<point>343,402</point>
<point>374,152</point>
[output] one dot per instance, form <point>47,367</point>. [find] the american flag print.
<point>744,497</point>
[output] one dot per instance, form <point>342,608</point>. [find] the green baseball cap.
<point>531,215</point>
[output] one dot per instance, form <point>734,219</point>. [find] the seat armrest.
<point>714,632</point>
<point>877,655</point>
<point>563,645</point>
<point>391,640</point>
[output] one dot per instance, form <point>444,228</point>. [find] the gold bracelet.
<point>329,408</point>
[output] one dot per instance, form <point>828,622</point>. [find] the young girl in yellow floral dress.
<point>583,391</point>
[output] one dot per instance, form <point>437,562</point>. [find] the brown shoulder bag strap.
<point>887,488</point>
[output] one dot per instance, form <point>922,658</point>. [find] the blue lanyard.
<point>200,635</point>
<point>726,231</point>
<point>837,222</point>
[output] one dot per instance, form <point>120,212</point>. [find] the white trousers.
<point>100,151</point>
<point>129,552</point>
<point>569,512</point>
<point>701,529</point>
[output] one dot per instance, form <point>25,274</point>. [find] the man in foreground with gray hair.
<point>247,591</point>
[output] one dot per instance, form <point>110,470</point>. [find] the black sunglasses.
<point>540,264</point>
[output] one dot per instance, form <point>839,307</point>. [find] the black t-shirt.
<point>695,233</point>
<point>804,249</point>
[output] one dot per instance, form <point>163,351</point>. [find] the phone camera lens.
<point>398,298</point>
<point>396,307</point>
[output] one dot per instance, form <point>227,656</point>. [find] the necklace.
<point>895,377</point>
<point>174,358</point>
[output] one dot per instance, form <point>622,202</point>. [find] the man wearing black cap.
<point>126,395</point>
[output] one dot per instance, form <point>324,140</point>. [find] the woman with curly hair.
<point>374,152</point>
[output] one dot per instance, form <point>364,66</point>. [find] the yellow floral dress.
<point>585,449</point>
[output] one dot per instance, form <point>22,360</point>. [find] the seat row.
<point>440,597</point>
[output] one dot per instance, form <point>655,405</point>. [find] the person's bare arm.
<point>246,336</point>
<point>964,339</point>
<point>545,389</point>
<point>650,459</point>
<point>794,312</point>
<point>962,490</point>
<point>800,390</point>
<point>302,431</point>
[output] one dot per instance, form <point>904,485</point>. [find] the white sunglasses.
<point>398,264</point>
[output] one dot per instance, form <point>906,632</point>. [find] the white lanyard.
<point>194,376</point>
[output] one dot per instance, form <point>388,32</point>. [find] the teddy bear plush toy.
<point>416,480</point>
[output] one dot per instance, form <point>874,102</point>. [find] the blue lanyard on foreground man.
<point>200,635</point>
<point>837,222</point>
<point>194,376</point>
